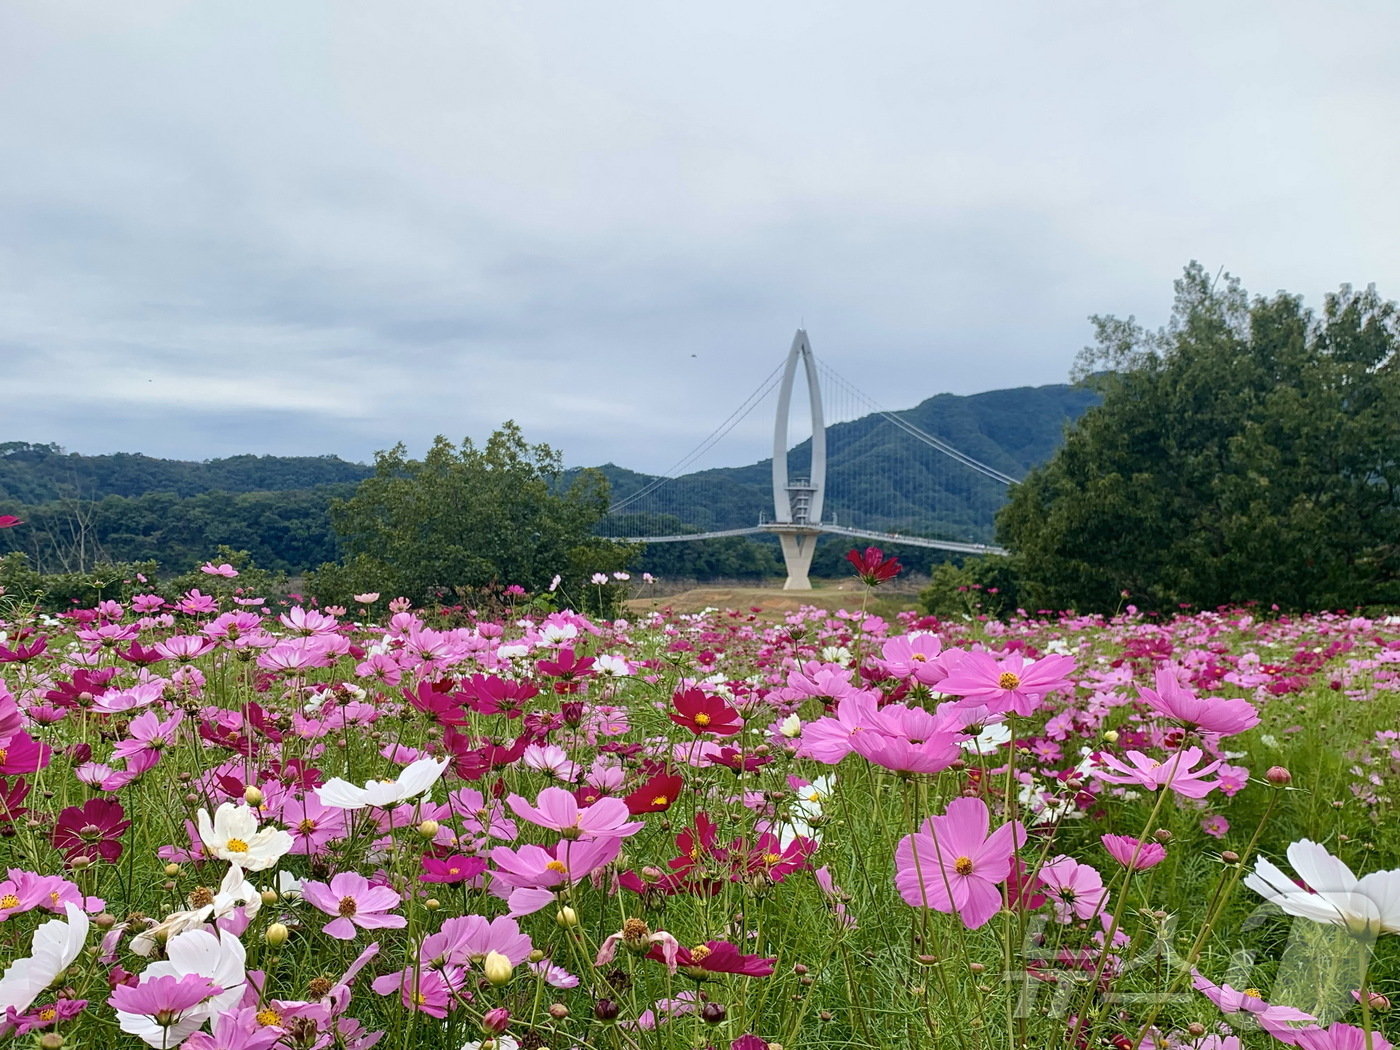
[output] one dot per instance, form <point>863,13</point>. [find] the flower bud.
<point>253,795</point>
<point>1230,857</point>
<point>567,917</point>
<point>172,870</point>
<point>536,955</point>
<point>51,1041</point>
<point>790,727</point>
<point>268,896</point>
<point>432,904</point>
<point>497,968</point>
<point>1278,776</point>
<point>558,1011</point>
<point>496,1021</point>
<point>1111,735</point>
<point>713,1013</point>
<point>276,935</point>
<point>1162,835</point>
<point>428,828</point>
<point>605,1010</point>
<point>105,921</point>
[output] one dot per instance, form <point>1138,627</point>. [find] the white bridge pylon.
<point>797,502</point>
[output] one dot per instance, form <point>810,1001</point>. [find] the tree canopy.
<point>1250,451</point>
<point>464,519</point>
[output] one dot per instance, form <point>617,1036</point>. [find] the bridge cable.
<point>736,417</point>
<point>921,435</point>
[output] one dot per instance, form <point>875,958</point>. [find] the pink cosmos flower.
<point>1174,772</point>
<point>1076,891</point>
<point>917,656</point>
<point>828,739</point>
<point>353,902</point>
<point>226,570</point>
<point>469,939</point>
<point>1210,713</point>
<point>1279,1021</point>
<point>1132,853</point>
<point>1215,825</point>
<point>147,734</point>
<point>930,755</point>
<point>421,989</point>
<point>559,809</point>
<point>1009,685</point>
<point>236,1030</point>
<point>194,603</point>
<point>529,874</point>
<point>163,1010</point>
<point>954,865</point>
<point>1341,1036</point>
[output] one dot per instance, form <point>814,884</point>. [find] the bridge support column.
<point>798,547</point>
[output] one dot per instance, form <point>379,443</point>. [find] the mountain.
<point>83,510</point>
<point>877,476</point>
<point>31,474</point>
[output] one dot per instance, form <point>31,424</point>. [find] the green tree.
<point>1249,451</point>
<point>466,520</point>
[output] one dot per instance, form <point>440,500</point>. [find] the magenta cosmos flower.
<point>1133,853</point>
<point>1213,714</point>
<point>93,830</point>
<point>954,865</point>
<point>1011,685</point>
<point>701,713</point>
<point>353,902</point>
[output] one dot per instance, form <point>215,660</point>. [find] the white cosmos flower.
<point>233,835</point>
<point>1368,906</point>
<point>988,740</point>
<point>56,944</point>
<point>234,892</point>
<point>198,952</point>
<point>415,779</point>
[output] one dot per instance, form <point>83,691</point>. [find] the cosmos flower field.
<point>232,823</point>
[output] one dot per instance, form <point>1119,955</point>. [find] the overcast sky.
<point>326,227</point>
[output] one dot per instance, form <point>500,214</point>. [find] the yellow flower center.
<point>48,1013</point>
<point>347,906</point>
<point>306,827</point>
<point>772,858</point>
<point>419,998</point>
<point>267,1018</point>
<point>699,953</point>
<point>702,719</point>
<point>1254,993</point>
<point>660,800</point>
<point>919,657</point>
<point>4,755</point>
<point>236,846</point>
<point>9,901</point>
<point>1008,680</point>
<point>963,865</point>
<point>557,865</point>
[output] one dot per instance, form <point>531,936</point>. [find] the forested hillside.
<point>870,463</point>
<point>80,511</point>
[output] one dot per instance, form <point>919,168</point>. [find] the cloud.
<point>347,225</point>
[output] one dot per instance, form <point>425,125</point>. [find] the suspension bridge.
<point>874,475</point>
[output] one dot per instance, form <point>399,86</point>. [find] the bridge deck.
<point>889,538</point>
